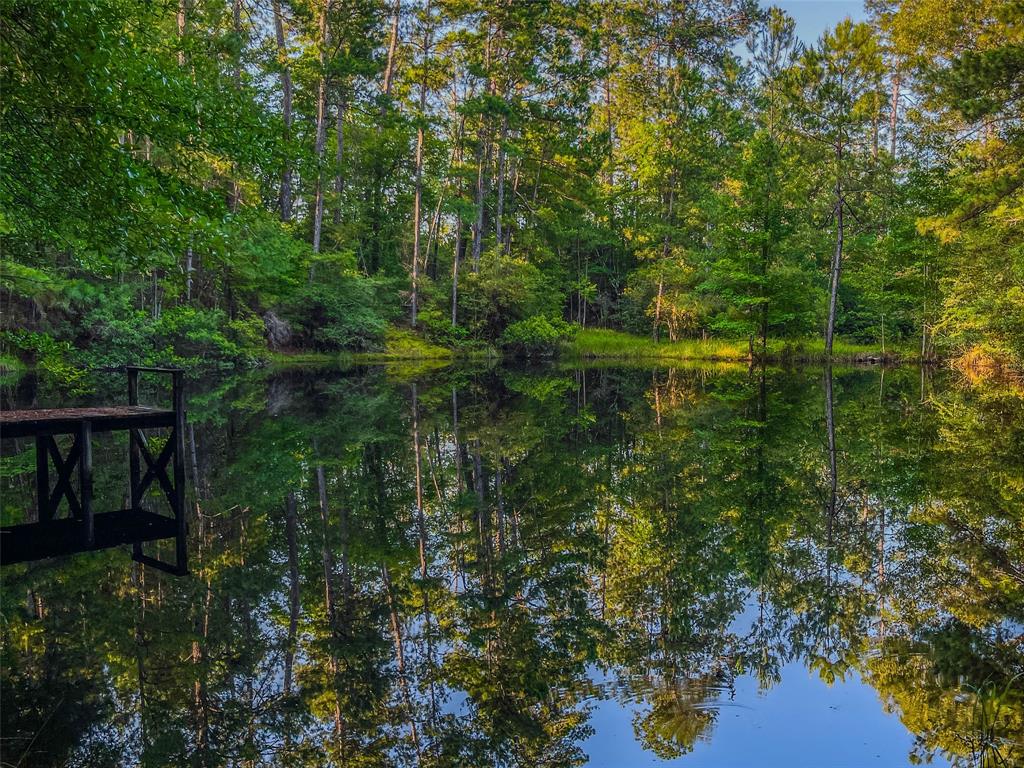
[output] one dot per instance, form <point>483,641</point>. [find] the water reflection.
<point>460,568</point>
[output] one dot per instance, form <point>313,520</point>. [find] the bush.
<point>51,356</point>
<point>106,329</point>
<point>536,336</point>
<point>346,314</point>
<point>437,327</point>
<point>199,337</point>
<point>407,345</point>
<point>507,289</point>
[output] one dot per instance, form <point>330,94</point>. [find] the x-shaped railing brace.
<point>173,453</point>
<point>156,469</point>
<point>47,446</point>
<point>79,457</point>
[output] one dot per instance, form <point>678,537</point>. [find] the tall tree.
<point>832,88</point>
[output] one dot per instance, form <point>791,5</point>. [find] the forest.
<point>213,182</point>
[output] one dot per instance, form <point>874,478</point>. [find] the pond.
<point>548,566</point>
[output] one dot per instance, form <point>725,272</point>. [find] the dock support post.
<point>133,457</point>
<point>181,551</point>
<point>43,478</point>
<point>85,479</point>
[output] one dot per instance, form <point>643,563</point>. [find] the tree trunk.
<point>458,450</point>
<point>875,119</point>
<point>455,270</point>
<point>833,467</point>
<point>457,252</point>
<point>665,251</point>
<point>291,529</point>
<point>501,183</point>
<point>419,480</point>
<point>483,159</point>
<point>285,199</point>
<point>182,23</point>
<point>506,247</point>
<point>478,223</point>
<point>837,265</point>
<point>182,28</point>
<point>389,70</point>
<point>418,198</point>
<point>894,113</point>
<point>657,308</point>
<point>396,634</point>
<point>924,318</point>
<point>138,587</point>
<point>321,485</point>
<point>236,14</point>
<point>765,253</point>
<point>321,133</point>
<point>156,295</point>
<point>430,265</point>
<point>346,568</point>
<point>189,269</point>
<point>609,124</point>
<point>339,156</point>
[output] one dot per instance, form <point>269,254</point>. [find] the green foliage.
<point>107,331</point>
<point>345,314</point>
<point>536,336</point>
<point>613,164</point>
<point>406,345</point>
<point>10,365</point>
<point>439,329</point>
<point>507,289</point>
<point>604,343</point>
<point>52,357</point>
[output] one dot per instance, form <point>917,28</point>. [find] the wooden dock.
<point>84,529</point>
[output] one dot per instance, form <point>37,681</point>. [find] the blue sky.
<point>815,16</point>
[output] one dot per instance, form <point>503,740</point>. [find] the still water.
<point>545,567</point>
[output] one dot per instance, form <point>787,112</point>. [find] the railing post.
<point>85,478</point>
<point>181,550</point>
<point>135,499</point>
<point>43,477</point>
<point>133,386</point>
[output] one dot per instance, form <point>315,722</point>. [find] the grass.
<point>10,364</point>
<point>11,369</point>
<point>602,343</point>
<point>302,358</point>
<point>400,344</point>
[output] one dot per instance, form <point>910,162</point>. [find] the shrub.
<point>107,330</point>
<point>437,327</point>
<point>406,344</point>
<point>536,336</point>
<point>247,332</point>
<point>194,337</point>
<point>51,356</point>
<point>343,315</point>
<point>507,289</point>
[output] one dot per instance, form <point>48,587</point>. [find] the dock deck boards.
<point>34,541</point>
<point>57,421</point>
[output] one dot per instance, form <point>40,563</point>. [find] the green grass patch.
<point>401,344</point>
<point>603,343</point>
<point>9,364</point>
<point>304,358</point>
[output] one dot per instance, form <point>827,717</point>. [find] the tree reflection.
<point>440,572</point>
